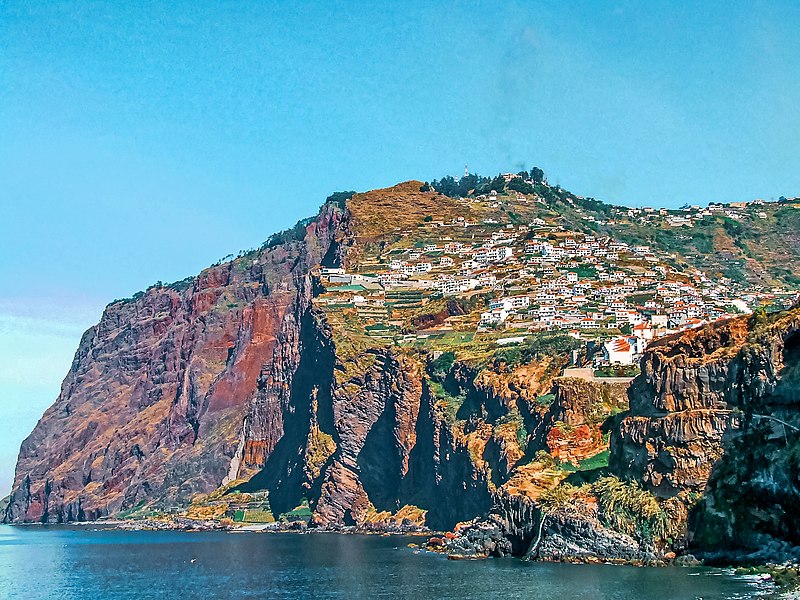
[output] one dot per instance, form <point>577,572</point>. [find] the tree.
<point>518,185</point>
<point>339,198</point>
<point>498,184</point>
<point>537,175</point>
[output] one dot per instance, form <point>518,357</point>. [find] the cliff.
<point>713,428</point>
<point>263,386</point>
<point>239,381</point>
<point>704,461</point>
<point>165,388</point>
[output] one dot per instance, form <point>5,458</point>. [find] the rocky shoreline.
<point>195,525</point>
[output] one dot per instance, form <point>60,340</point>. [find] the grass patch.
<point>545,399</point>
<point>302,512</point>
<point>628,508</point>
<point>253,516</point>
<point>598,461</point>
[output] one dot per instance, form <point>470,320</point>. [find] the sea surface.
<point>82,562</point>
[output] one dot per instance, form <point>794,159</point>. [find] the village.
<point>519,279</point>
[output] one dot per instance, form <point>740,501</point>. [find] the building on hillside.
<point>495,316</point>
<point>643,331</point>
<point>619,351</point>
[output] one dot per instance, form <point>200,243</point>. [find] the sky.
<point>144,141</point>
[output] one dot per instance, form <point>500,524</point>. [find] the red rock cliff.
<point>153,408</point>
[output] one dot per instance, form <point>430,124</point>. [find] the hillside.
<point>748,242</point>
<point>405,359</point>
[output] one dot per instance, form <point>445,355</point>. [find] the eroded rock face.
<point>578,413</point>
<point>152,409</point>
<point>713,423</point>
<point>712,431</point>
<point>236,376</point>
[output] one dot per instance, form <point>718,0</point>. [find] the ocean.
<point>84,562</point>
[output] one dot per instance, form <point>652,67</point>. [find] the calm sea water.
<point>76,562</point>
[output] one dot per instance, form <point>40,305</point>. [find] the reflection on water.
<point>76,562</point>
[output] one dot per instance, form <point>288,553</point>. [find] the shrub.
<point>627,508</point>
<point>559,497</point>
<point>545,459</point>
<point>293,234</point>
<point>536,346</point>
<point>440,367</point>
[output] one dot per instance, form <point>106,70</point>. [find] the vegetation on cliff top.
<point>623,506</point>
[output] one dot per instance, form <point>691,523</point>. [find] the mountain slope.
<point>271,379</point>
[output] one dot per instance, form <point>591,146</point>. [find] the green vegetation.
<point>626,507</point>
<point>440,367</point>
<point>559,497</point>
<point>246,515</point>
<point>475,185</point>
<point>132,513</point>
<point>545,399</point>
<point>585,272</point>
<point>536,346</point>
<point>598,461</point>
<point>617,371</point>
<point>450,403</point>
<point>514,418</point>
<point>545,459</point>
<point>293,234</point>
<point>463,187</point>
<point>182,284</point>
<point>301,512</point>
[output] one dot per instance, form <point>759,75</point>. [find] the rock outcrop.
<point>713,425</point>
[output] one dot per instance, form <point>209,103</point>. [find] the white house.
<point>501,303</point>
<point>518,302</point>
<point>619,351</point>
<point>494,317</point>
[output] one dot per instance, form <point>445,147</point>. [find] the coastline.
<point>784,577</point>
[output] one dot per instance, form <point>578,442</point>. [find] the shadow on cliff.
<point>380,461</point>
<point>309,403</point>
<point>442,477</point>
<point>751,505</point>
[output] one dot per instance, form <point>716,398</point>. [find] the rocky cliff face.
<point>704,461</point>
<point>713,429</point>
<point>172,387</point>
<point>236,378</point>
<point>244,378</point>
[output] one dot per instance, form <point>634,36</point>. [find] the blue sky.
<point>144,141</point>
